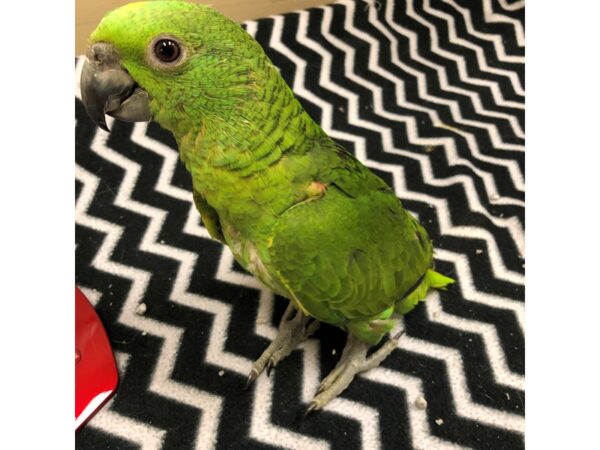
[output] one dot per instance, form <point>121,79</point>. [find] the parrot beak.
<point>106,88</point>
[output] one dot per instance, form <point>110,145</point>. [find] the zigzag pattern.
<point>427,94</point>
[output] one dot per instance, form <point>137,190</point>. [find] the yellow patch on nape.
<point>132,7</point>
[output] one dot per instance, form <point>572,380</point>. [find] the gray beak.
<point>106,88</point>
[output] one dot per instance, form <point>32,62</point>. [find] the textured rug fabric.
<point>430,96</point>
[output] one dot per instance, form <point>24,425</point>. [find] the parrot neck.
<point>236,143</point>
<point>252,134</point>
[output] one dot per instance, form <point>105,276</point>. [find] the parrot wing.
<point>352,253</point>
<point>209,217</point>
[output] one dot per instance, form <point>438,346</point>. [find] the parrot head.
<point>170,61</point>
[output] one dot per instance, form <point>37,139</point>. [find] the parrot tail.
<point>432,279</point>
<point>375,328</point>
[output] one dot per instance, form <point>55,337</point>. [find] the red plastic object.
<point>96,375</point>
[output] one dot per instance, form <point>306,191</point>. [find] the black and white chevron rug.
<point>430,95</point>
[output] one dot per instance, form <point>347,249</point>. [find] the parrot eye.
<point>167,50</point>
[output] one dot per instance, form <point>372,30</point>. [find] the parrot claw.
<point>354,360</point>
<point>312,406</point>
<point>293,329</point>
<point>251,378</point>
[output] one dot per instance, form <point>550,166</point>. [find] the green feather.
<point>432,279</point>
<point>297,210</point>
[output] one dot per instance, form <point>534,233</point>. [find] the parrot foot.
<point>292,331</point>
<point>354,360</point>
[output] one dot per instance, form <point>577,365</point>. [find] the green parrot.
<point>297,210</point>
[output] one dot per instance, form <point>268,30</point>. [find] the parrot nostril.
<point>102,54</point>
<point>96,55</point>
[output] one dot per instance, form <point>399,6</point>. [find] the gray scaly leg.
<point>292,331</point>
<point>353,361</point>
